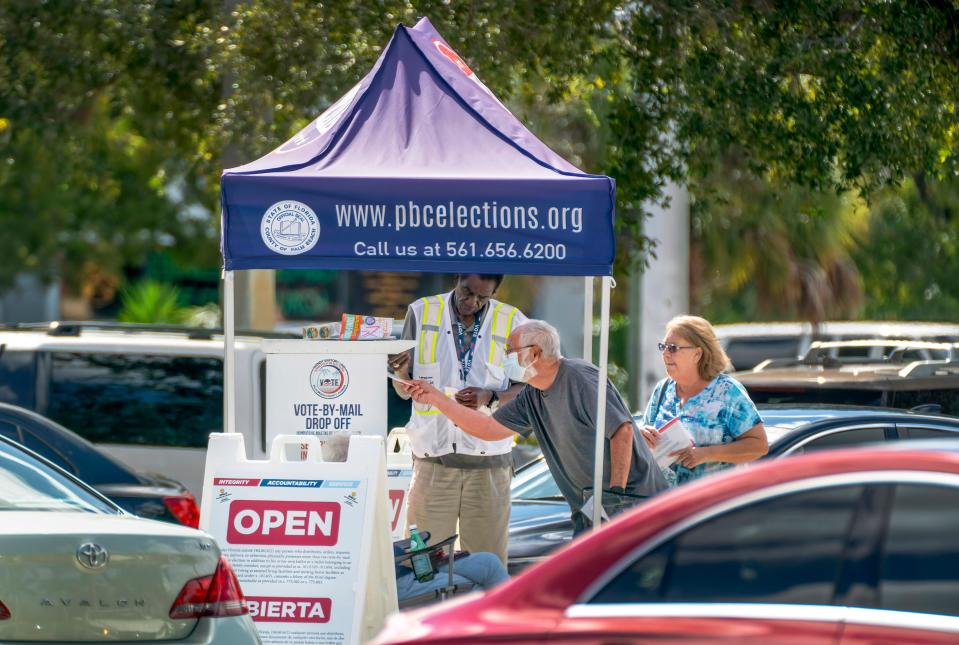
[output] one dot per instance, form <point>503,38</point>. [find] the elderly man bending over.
<point>558,405</point>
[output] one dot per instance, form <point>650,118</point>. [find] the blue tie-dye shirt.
<point>718,414</point>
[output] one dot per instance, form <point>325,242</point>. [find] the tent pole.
<point>601,404</point>
<point>588,319</point>
<point>229,352</point>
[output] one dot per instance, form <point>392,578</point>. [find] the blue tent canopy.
<point>418,168</point>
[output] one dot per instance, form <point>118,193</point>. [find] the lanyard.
<point>464,353</point>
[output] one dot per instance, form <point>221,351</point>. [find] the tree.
<point>770,249</point>
<point>910,258</point>
<point>117,116</point>
<point>99,112</point>
<point>826,95</point>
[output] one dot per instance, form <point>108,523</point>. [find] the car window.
<point>28,484</point>
<point>924,354</point>
<point>853,351</point>
<point>831,440</point>
<point>71,452</point>
<point>746,353</point>
<point>920,562</point>
<point>10,431</point>
<point>782,550</point>
<point>947,397</point>
<point>45,450</point>
<point>18,377</point>
<point>137,399</point>
<point>761,392</point>
<point>912,432</point>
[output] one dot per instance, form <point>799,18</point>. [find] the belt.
<point>469,462</point>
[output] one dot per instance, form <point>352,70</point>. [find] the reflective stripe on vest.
<point>429,333</point>
<point>502,325</point>
<point>429,330</point>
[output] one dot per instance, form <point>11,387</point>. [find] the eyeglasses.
<point>511,350</point>
<point>672,348</point>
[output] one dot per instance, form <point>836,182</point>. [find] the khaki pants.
<point>478,497</point>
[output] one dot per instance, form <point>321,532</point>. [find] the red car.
<point>848,548</point>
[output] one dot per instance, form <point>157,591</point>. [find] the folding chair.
<point>440,553</point>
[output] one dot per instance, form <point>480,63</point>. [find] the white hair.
<point>543,335</point>
<point>336,447</point>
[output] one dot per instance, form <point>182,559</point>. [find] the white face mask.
<point>515,371</point>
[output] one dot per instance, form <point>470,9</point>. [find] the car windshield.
<point>535,482</point>
<point>776,432</point>
<point>27,484</point>
<point>779,423</point>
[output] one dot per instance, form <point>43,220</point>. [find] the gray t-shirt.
<point>563,418</point>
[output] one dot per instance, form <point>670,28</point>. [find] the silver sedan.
<point>75,567</point>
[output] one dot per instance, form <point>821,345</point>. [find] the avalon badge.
<point>92,556</point>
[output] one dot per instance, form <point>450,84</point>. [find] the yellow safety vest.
<point>431,433</point>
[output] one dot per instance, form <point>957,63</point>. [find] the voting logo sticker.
<point>329,378</point>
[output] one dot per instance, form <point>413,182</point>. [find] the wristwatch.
<point>493,400</point>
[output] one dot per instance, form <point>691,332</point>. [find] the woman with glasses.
<point>714,408</point>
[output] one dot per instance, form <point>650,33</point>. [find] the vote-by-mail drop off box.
<point>321,387</point>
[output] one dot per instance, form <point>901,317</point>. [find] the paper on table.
<point>673,436</point>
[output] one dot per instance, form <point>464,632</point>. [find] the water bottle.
<point>422,567</point>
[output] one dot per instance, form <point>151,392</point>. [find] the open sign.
<point>283,522</point>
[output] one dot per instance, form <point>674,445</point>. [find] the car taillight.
<point>184,509</point>
<point>4,612</point>
<point>215,595</point>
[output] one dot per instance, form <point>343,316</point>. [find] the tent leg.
<point>588,319</point>
<point>229,352</point>
<point>601,404</point>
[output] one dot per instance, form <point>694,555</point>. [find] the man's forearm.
<point>620,455</point>
<point>479,425</point>
<point>510,393</point>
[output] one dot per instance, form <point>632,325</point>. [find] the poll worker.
<point>461,336</point>
<point>558,405</point>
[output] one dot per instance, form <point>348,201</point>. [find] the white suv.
<point>149,395</point>
<point>748,344</point>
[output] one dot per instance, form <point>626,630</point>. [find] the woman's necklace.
<point>685,396</point>
<point>681,397</point>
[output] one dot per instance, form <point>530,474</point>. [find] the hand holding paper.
<point>420,390</point>
<point>673,437</point>
<point>398,379</point>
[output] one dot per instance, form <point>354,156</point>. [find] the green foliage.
<point>117,116</point>
<point>828,96</point>
<point>100,106</point>
<point>152,302</point>
<point>766,249</point>
<point>910,258</point>
<point>618,358</point>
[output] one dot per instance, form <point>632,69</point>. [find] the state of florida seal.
<point>290,228</point>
